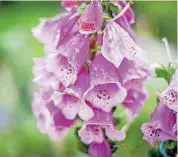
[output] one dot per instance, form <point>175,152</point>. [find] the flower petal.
<point>85,112</point>
<point>114,134</point>
<point>69,104</point>
<point>134,100</point>
<point>68,30</point>
<point>130,71</point>
<point>92,18</point>
<point>169,96</point>
<point>117,44</point>
<point>81,84</point>
<point>61,68</point>
<point>61,121</point>
<point>152,132</point>
<point>91,133</point>
<point>166,117</point>
<point>122,21</point>
<point>57,30</point>
<point>99,150</point>
<point>105,91</point>
<point>100,118</point>
<point>76,50</point>
<point>57,134</point>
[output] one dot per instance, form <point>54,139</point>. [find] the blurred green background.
<point>19,136</point>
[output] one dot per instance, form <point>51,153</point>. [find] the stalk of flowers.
<point>162,125</point>
<point>91,65</point>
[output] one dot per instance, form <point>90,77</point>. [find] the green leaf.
<point>114,8</point>
<point>166,72</point>
<point>172,69</point>
<point>109,9</point>
<point>162,74</point>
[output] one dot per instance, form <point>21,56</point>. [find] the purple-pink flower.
<point>56,31</point>
<point>50,119</point>
<point>70,101</point>
<point>169,96</point>
<point>68,59</point>
<point>91,130</point>
<point>117,45</point>
<point>105,90</point>
<point>163,121</point>
<point>161,125</point>
<point>92,18</point>
<point>86,74</point>
<point>99,150</point>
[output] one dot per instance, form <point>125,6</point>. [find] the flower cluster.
<point>90,66</point>
<point>162,125</point>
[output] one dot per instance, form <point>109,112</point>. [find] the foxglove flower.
<point>161,125</point>
<point>132,75</point>
<point>134,100</point>
<point>99,150</point>
<point>104,91</point>
<point>76,80</point>
<point>122,21</point>
<point>42,77</point>
<point>169,96</point>
<point>70,101</point>
<point>68,60</point>
<point>91,132</point>
<point>132,71</point>
<point>92,18</point>
<point>57,30</point>
<point>50,120</point>
<point>117,44</point>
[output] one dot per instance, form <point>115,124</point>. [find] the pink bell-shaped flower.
<point>92,18</point>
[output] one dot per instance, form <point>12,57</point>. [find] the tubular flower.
<point>132,75</point>
<point>131,71</point>
<point>67,61</point>
<point>162,124</point>
<point>91,132</point>
<point>104,91</point>
<point>122,21</point>
<point>85,74</point>
<point>134,100</point>
<point>50,120</point>
<point>42,77</point>
<point>117,44</point>
<point>92,18</point>
<point>57,30</point>
<point>169,96</point>
<point>70,101</point>
<point>99,150</point>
